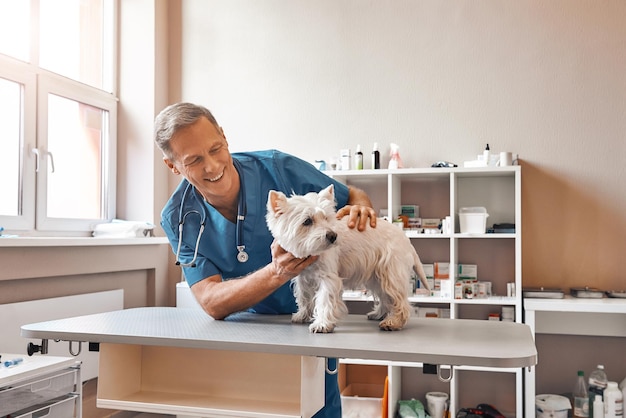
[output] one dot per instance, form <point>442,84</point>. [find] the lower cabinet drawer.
<point>37,391</point>
<point>65,407</point>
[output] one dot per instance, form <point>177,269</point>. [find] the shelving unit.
<point>441,192</point>
<point>599,327</point>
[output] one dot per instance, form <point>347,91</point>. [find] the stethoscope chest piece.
<point>242,256</point>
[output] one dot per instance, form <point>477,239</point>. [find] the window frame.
<point>50,83</point>
<point>36,84</point>
<point>14,70</point>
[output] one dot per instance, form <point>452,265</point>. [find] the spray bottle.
<point>395,161</point>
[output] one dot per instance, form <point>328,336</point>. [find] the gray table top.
<point>424,340</point>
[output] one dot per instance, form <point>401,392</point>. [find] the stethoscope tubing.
<point>242,256</point>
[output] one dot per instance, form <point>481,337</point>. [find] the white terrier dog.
<point>381,259</point>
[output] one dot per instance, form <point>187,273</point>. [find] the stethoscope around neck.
<point>242,255</point>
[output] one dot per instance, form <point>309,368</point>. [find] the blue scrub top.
<point>260,172</point>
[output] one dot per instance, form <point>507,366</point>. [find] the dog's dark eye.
<point>307,222</point>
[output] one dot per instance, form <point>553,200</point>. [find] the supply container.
<point>473,220</point>
<point>596,386</point>
<point>552,406</point>
<point>613,401</point>
<point>362,400</point>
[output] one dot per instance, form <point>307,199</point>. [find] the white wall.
<point>546,80</point>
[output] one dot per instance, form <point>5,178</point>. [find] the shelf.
<point>572,304</point>
<point>171,380</point>
<point>439,193</point>
<point>78,241</point>
<point>354,296</point>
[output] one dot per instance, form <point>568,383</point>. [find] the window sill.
<point>78,241</point>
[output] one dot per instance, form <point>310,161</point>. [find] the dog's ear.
<point>276,202</point>
<point>328,193</point>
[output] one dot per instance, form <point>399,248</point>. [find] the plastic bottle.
<point>597,383</point>
<point>581,397</point>
<point>375,157</point>
<point>394,157</point>
<point>345,159</point>
<point>486,156</point>
<point>613,401</point>
<point>598,407</point>
<point>358,158</point>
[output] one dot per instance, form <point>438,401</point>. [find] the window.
<point>58,115</point>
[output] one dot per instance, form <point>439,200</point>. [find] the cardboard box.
<point>412,211</point>
<point>467,271</point>
<point>442,270</point>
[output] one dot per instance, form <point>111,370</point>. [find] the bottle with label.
<point>598,407</point>
<point>358,158</point>
<point>581,397</point>
<point>345,159</point>
<point>613,401</point>
<point>375,157</point>
<point>597,384</point>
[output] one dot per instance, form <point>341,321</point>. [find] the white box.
<point>429,270</point>
<point>467,271</point>
<point>362,400</point>
<point>473,220</point>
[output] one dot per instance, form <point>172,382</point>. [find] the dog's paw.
<point>320,328</point>
<point>301,317</point>
<point>389,324</point>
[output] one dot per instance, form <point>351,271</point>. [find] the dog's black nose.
<point>331,237</point>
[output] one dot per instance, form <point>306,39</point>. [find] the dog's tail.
<point>418,268</point>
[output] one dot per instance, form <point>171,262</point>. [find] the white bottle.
<point>598,407</point>
<point>613,401</point>
<point>345,159</point>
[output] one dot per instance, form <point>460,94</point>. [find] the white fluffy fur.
<point>381,259</point>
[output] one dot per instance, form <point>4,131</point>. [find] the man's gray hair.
<point>174,118</point>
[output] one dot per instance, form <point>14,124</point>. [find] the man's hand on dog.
<point>358,216</point>
<point>286,265</point>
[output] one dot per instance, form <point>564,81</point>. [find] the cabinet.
<point>40,386</point>
<point>441,192</point>
<point>593,330</point>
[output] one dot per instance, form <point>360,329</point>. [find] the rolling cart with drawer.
<point>40,386</point>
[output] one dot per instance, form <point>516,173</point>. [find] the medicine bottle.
<point>581,397</point>
<point>358,158</point>
<point>613,401</point>
<point>597,383</point>
<point>375,157</point>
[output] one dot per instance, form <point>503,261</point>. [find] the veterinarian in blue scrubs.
<point>227,253</point>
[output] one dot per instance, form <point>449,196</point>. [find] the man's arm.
<point>221,298</point>
<point>359,208</point>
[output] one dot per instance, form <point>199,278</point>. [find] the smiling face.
<point>200,153</point>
